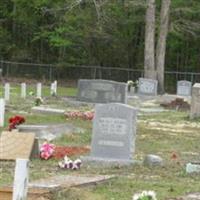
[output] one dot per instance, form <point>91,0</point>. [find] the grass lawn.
<point>162,134</point>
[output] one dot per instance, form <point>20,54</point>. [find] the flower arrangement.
<point>145,195</point>
<point>31,93</point>
<point>46,150</point>
<point>14,121</point>
<point>67,163</point>
<point>38,101</point>
<point>132,84</point>
<point>88,115</point>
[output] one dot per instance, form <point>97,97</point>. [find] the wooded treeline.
<point>96,32</point>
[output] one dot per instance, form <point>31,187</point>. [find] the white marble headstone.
<point>54,88</point>
<point>7,92</point>
<point>39,90</point>
<point>20,186</point>
<point>2,112</point>
<point>23,90</point>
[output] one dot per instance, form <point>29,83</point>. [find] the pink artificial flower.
<point>46,150</point>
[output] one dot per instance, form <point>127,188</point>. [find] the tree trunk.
<point>161,45</point>
<point>149,55</point>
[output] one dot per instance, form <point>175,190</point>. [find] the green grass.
<point>168,181</point>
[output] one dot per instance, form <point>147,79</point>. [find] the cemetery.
<point>100,100</point>
<point>53,147</point>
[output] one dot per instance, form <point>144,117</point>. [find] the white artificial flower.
<point>136,196</point>
<point>151,194</point>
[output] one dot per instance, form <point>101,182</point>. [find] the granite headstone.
<point>114,133</point>
<point>102,91</point>
<point>147,87</point>
<point>184,88</point>
<point>195,103</point>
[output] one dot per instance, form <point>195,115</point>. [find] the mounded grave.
<point>147,87</point>
<point>184,88</point>
<point>114,133</point>
<point>101,91</point>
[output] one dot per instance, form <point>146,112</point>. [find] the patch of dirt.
<point>177,104</point>
<point>60,151</point>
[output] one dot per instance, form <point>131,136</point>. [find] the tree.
<point>149,55</point>
<point>161,44</point>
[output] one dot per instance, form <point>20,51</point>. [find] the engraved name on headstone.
<point>184,88</point>
<point>114,132</point>
<point>195,102</point>
<point>102,91</point>
<point>147,86</point>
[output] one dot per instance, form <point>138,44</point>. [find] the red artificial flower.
<point>174,156</point>
<point>14,121</point>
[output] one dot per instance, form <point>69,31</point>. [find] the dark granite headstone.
<point>101,91</point>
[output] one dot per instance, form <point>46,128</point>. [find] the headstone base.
<point>108,161</point>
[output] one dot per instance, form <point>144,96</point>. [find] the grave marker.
<point>23,90</point>
<point>39,90</point>
<point>20,186</point>
<point>195,102</point>
<point>101,91</point>
<point>2,112</point>
<point>53,88</point>
<point>147,86</point>
<point>114,132</point>
<point>7,92</point>
<point>184,88</point>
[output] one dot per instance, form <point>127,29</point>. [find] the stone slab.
<point>15,145</point>
<point>45,110</point>
<point>102,91</point>
<point>108,162</point>
<point>50,131</point>
<point>65,181</point>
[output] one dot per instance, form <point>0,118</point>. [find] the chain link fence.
<point>48,72</point>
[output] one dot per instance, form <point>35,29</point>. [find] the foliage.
<point>68,31</point>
